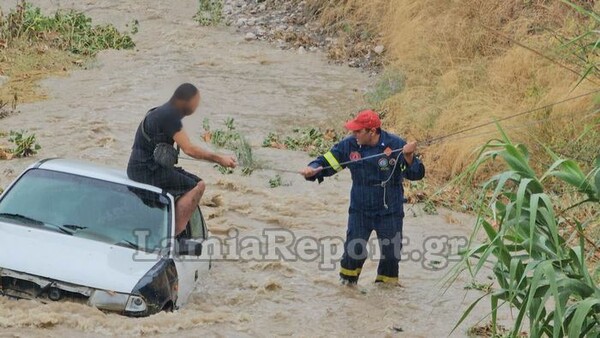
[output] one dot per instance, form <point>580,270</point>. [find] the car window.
<point>85,207</point>
<point>197,225</point>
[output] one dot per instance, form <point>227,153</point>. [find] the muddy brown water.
<point>92,115</point>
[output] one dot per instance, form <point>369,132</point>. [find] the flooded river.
<point>92,115</point>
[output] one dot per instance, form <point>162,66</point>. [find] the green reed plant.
<point>537,272</point>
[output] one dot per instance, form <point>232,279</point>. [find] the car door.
<point>191,258</point>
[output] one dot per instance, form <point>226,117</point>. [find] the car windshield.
<point>90,208</point>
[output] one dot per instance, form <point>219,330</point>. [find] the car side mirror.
<point>189,247</point>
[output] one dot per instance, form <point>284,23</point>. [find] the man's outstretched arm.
<point>183,141</point>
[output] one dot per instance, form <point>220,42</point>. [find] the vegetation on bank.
<point>210,12</point>
<point>536,250</point>
<point>34,45</point>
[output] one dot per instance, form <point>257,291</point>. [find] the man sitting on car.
<point>163,125</point>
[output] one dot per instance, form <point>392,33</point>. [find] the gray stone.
<point>261,32</point>
<point>379,49</point>
<point>3,80</point>
<point>250,36</point>
<point>241,22</point>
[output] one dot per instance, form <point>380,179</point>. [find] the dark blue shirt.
<point>368,196</point>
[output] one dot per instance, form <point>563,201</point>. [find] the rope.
<point>440,138</point>
<point>524,125</point>
<point>550,105</point>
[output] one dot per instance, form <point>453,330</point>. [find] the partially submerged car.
<point>73,231</point>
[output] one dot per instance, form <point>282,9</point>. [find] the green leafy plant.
<point>223,170</point>
<point>134,27</point>
<point>25,144</point>
<point>537,271</point>
<point>271,141</point>
<point>486,287</point>
<point>275,181</point>
<point>66,30</point>
<point>486,331</point>
<point>312,140</point>
<point>247,171</point>
<point>210,12</point>
<point>232,139</point>
<point>206,124</point>
<point>429,207</point>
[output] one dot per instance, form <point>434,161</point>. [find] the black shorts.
<point>175,181</point>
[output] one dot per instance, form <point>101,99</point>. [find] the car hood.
<point>71,259</point>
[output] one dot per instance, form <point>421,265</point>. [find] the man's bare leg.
<point>185,206</point>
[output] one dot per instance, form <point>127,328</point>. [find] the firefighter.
<point>378,162</point>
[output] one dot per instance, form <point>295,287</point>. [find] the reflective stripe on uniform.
<point>351,273</point>
<point>333,162</point>
<point>386,279</point>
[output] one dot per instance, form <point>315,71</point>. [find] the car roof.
<point>91,170</point>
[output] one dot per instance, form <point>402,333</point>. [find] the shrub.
<point>232,139</point>
<point>312,140</point>
<point>275,181</point>
<point>210,12</point>
<point>66,30</point>
<point>25,144</point>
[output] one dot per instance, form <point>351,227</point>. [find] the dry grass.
<point>25,66</point>
<point>460,72</point>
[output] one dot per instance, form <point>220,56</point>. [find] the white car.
<point>72,231</point>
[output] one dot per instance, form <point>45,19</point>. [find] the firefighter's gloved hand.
<point>309,172</point>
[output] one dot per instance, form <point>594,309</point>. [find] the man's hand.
<point>183,141</point>
<point>409,148</point>
<point>310,171</point>
<point>227,161</point>
<point>409,151</point>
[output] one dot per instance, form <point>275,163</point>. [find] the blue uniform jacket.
<point>367,195</point>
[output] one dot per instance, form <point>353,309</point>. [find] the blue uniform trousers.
<point>389,233</point>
